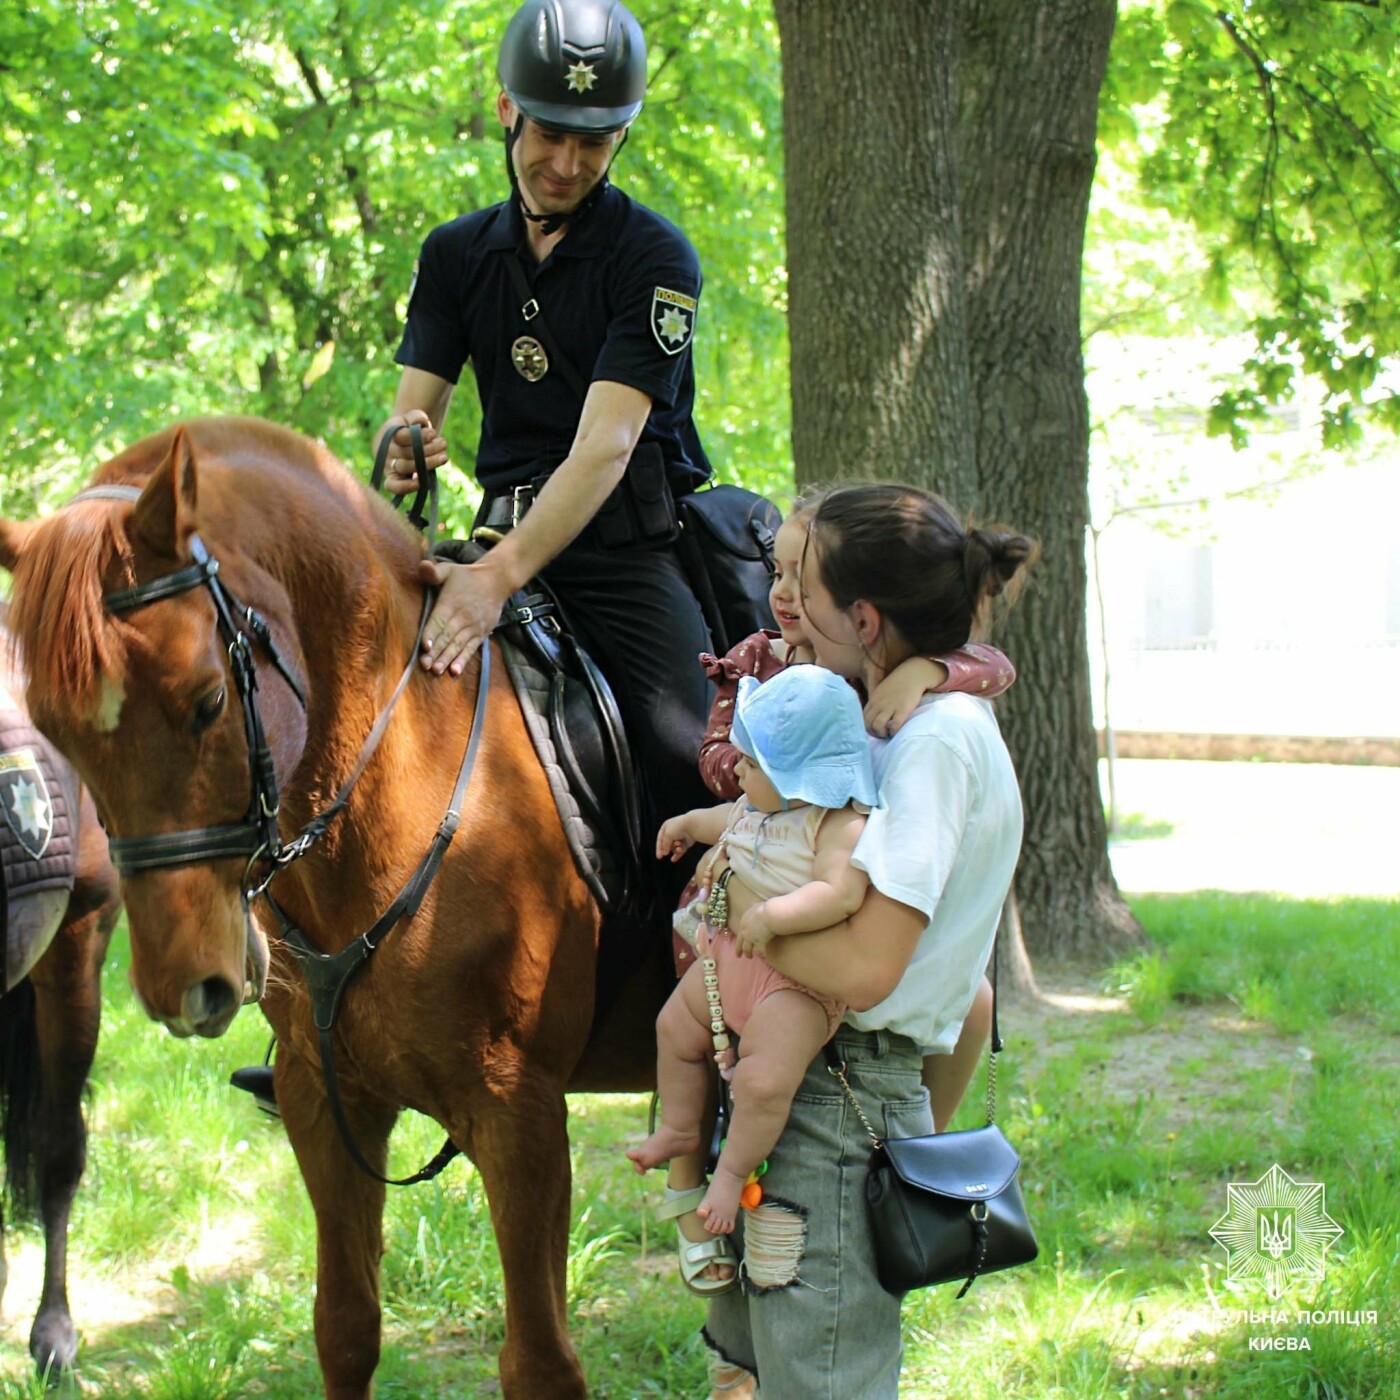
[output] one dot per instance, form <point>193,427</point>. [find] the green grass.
<point>1288,963</point>
<point>1254,1031</point>
<point>1133,826</point>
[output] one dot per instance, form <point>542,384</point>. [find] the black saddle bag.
<point>726,546</point>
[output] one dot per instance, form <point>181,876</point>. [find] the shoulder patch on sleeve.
<point>672,319</point>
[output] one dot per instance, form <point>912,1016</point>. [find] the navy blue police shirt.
<point>620,291</point>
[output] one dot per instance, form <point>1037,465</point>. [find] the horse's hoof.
<point>53,1343</point>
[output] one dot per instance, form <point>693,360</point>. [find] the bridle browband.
<point>257,834</point>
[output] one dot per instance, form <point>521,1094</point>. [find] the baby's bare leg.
<point>683,1067</point>
<point>786,1029</point>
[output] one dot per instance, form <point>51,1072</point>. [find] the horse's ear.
<point>14,535</point>
<point>164,517</point>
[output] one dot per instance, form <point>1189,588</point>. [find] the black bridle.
<point>240,628</point>
<point>257,837</point>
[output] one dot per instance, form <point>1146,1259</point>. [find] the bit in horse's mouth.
<point>255,966</point>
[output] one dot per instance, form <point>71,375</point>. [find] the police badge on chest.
<point>529,359</point>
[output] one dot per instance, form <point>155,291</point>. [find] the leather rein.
<point>257,837</point>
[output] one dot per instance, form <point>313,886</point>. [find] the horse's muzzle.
<point>208,1009</point>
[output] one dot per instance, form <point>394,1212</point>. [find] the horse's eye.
<point>208,710</point>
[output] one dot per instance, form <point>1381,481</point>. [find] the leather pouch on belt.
<point>640,509</point>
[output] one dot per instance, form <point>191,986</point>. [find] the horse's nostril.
<point>211,1001</point>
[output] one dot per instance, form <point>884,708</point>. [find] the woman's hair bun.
<point>994,558</point>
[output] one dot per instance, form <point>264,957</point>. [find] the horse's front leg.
<point>67,1010</point>
<point>521,1147</point>
<point>349,1210</point>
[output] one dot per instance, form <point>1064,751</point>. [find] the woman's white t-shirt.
<point>944,841</point>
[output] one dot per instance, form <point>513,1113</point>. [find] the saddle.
<point>38,839</point>
<point>577,732</point>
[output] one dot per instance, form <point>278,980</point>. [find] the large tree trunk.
<point>939,162</point>
<point>877,298</point>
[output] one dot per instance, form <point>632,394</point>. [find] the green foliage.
<point>214,206</point>
<point>1273,130</point>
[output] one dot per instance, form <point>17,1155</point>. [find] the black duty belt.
<point>506,508</point>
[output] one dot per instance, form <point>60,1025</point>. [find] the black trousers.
<point>634,611</point>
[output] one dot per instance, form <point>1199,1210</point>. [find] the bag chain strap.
<point>838,1069</point>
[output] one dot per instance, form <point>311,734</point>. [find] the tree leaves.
<point>1280,142</point>
<point>199,197</point>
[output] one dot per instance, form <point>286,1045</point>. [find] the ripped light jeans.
<point>812,1320</point>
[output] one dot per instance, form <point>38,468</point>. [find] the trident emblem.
<point>1277,1230</point>
<point>1276,1236</point>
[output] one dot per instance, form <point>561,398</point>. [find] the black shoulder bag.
<point>726,532</point>
<point>947,1206</point>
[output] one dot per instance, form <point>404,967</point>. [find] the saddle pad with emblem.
<point>38,843</point>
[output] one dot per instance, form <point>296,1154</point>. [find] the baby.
<point>807,781</point>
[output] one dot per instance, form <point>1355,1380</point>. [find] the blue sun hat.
<point>804,730</point>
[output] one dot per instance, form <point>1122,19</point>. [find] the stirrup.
<point>257,1081</point>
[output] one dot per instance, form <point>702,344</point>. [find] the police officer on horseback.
<point>575,307</point>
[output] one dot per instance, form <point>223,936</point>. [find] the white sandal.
<point>725,1376</point>
<point>695,1256</point>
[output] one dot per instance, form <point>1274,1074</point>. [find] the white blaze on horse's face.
<point>108,714</point>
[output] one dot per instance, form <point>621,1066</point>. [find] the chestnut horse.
<point>477,1010</point>
<point>53,943</point>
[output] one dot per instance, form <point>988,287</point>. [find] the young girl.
<point>973,668</point>
<point>806,775</point>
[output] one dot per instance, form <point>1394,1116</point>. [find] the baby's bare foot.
<point>695,1231</point>
<point>720,1208</point>
<point>661,1146</point>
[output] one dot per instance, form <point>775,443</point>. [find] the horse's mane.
<point>68,639</point>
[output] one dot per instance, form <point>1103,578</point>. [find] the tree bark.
<point>877,296</point>
<point>939,163</point>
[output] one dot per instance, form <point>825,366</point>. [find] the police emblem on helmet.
<point>580,77</point>
<point>529,359</point>
<point>672,319</point>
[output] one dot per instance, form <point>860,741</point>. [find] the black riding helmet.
<point>576,65</point>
